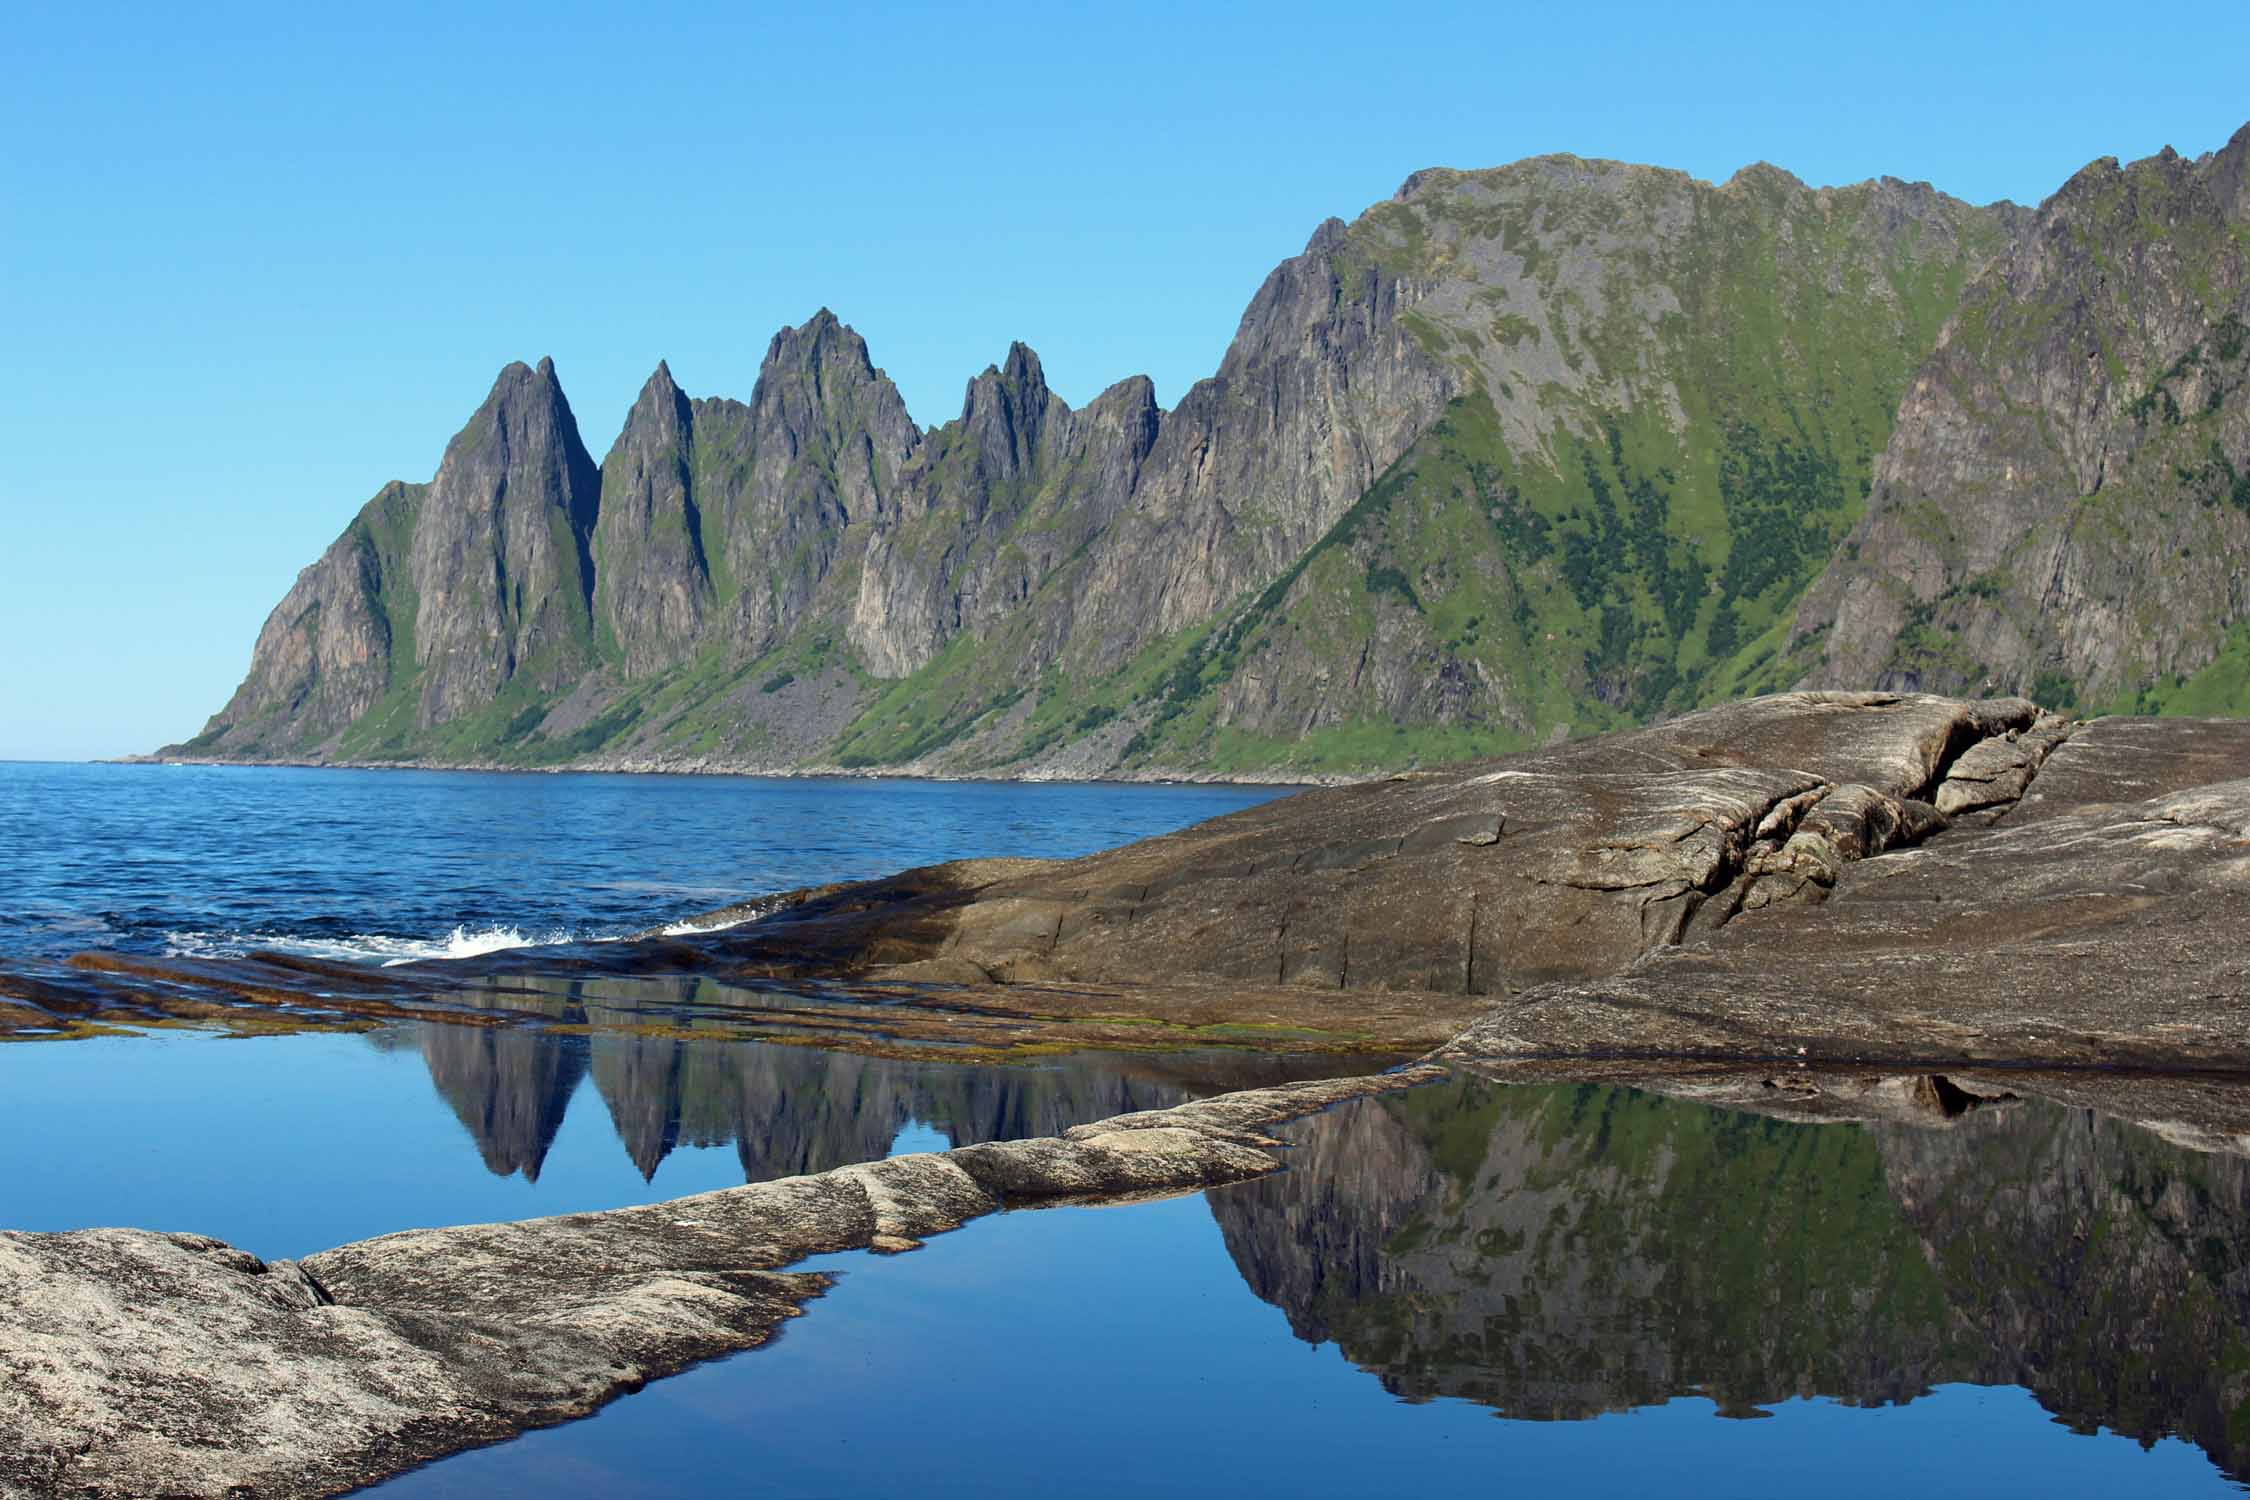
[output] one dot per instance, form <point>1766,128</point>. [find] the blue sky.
<point>254,262</point>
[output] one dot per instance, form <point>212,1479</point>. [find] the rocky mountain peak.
<point>1329,237</point>
<point>514,501</point>
<point>1006,411</point>
<point>1764,177</point>
<point>661,408</point>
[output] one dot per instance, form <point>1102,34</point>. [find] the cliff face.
<point>2065,504</point>
<point>438,599</point>
<point>325,656</point>
<point>652,576</point>
<point>1519,453</point>
<point>500,557</point>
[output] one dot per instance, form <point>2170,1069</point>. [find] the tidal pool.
<point>1476,1287</point>
<point>285,1145</point>
<point>1117,1352</point>
<point>1469,1285</point>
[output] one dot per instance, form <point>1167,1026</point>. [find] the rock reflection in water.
<point>1560,1251</point>
<point>787,1110</point>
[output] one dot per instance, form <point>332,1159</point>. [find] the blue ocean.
<point>212,861</point>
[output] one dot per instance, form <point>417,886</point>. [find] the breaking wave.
<point>741,916</point>
<point>461,942</point>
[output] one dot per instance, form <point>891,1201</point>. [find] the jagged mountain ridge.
<point>1531,451</point>
<point>2064,507</point>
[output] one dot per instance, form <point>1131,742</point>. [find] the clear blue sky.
<point>253,262</point>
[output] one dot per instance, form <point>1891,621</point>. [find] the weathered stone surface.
<point>1647,894</point>
<point>2092,938</point>
<point>136,1364</point>
<point>1482,879</point>
<point>1993,774</point>
<point>2121,760</point>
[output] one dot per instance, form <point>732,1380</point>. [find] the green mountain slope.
<point>2064,509</point>
<point>1520,453</point>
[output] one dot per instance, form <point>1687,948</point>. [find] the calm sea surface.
<point>216,860</point>
<point>1469,1287</point>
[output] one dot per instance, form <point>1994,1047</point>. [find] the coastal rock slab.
<point>1483,879</point>
<point>2100,937</point>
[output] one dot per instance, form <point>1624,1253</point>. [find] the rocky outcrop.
<point>141,1364</point>
<point>2087,412</point>
<point>1485,879</point>
<point>1778,878</point>
<point>2079,936</point>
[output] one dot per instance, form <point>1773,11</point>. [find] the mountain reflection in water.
<point>1562,1251</point>
<point>786,1110</point>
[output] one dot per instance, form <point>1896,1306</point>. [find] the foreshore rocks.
<point>135,1363</point>
<point>1857,878</point>
<point>1484,879</point>
<point>2100,937</point>
<point>1850,878</point>
<point>1819,906</point>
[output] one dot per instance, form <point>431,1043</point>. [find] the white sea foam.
<point>462,942</point>
<point>693,926</point>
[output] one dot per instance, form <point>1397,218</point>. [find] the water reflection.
<point>1561,1251</point>
<point>670,1077</point>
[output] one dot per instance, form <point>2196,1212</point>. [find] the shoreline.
<point>1814,907</point>
<point>631,766</point>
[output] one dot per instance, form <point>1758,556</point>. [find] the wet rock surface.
<point>134,1363</point>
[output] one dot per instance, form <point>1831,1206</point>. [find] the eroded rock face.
<point>1482,879</point>
<point>513,505</point>
<point>2084,414</point>
<point>1744,882</point>
<point>2088,937</point>
<point>136,1364</point>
